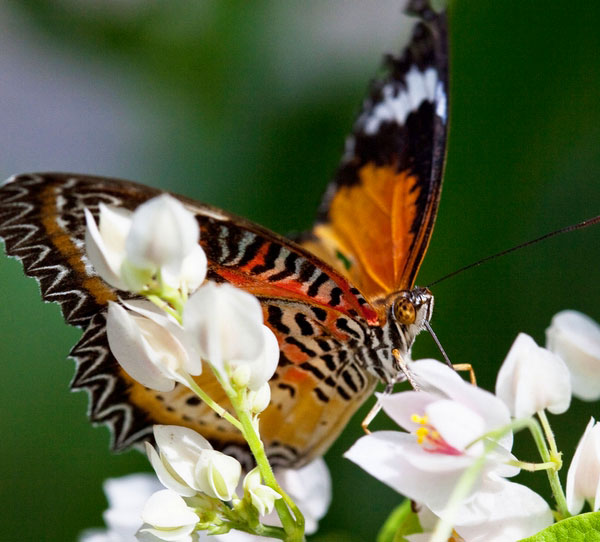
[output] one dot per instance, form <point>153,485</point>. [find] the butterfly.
<point>340,298</point>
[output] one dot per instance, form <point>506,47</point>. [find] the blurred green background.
<point>245,105</point>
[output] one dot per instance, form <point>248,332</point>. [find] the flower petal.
<point>532,379</point>
<point>457,424</point>
<point>167,478</point>
<point>225,323</point>
<point>132,351</point>
<point>576,339</point>
<point>106,263</point>
<point>167,510</point>
<point>218,474</point>
<point>176,342</point>
<point>398,461</point>
<point>181,448</point>
<point>163,233</point>
<point>502,511</point>
<point>583,478</point>
<point>438,378</point>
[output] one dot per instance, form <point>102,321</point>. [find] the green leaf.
<point>582,528</point>
<point>401,521</point>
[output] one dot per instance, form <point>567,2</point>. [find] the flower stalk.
<point>293,525</point>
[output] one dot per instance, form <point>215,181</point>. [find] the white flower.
<point>263,497</point>
<point>226,325</point>
<point>532,379</point>
<point>583,478</point>
<point>187,463</point>
<point>443,422</point>
<point>309,487</point>
<point>576,339</point>
<point>168,517</point>
<point>500,511</point>
<point>126,499</point>
<point>150,345</point>
<point>160,237</point>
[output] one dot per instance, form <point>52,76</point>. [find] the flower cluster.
<point>454,455</point>
<point>177,326</point>
<point>309,486</point>
<point>453,459</point>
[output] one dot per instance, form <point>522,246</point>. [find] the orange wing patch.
<point>370,230</point>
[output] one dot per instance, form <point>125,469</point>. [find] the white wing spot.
<point>397,103</point>
<point>441,103</point>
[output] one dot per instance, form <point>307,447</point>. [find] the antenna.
<point>439,344</point>
<point>579,226</point>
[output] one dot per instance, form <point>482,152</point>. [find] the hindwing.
<point>315,313</point>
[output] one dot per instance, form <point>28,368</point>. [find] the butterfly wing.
<point>315,313</point>
<point>388,182</point>
<point>378,213</point>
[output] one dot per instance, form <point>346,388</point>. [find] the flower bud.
<point>583,478</point>
<point>240,376</point>
<point>576,339</point>
<point>217,474</point>
<point>187,464</point>
<point>259,400</point>
<point>262,497</point>
<point>532,379</point>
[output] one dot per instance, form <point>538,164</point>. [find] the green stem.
<point>293,525</point>
<point>211,403</point>
<point>261,530</point>
<point>555,456</point>
<point>162,304</point>
<point>294,528</point>
<point>533,467</point>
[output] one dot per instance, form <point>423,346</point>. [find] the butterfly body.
<point>339,300</point>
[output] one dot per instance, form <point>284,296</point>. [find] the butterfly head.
<point>411,308</point>
<point>408,311</point>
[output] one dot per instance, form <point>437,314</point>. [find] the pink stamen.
<point>430,439</point>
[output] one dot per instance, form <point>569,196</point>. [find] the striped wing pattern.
<point>324,298</point>
<point>316,315</point>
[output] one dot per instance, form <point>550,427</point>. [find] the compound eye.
<point>405,312</point>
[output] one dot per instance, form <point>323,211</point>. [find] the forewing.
<point>317,316</point>
<point>377,215</point>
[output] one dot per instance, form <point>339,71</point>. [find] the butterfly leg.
<point>466,367</point>
<point>375,410</point>
<point>404,371</point>
<point>370,417</point>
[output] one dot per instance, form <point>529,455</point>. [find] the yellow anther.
<point>421,433</point>
<point>423,420</point>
